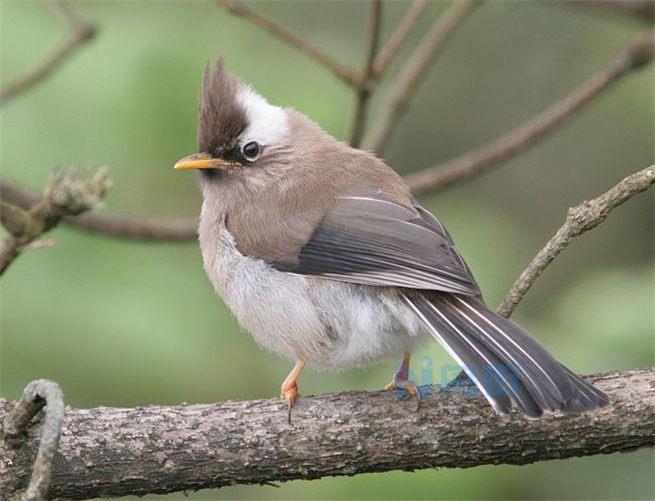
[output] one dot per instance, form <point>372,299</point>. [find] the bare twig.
<point>413,71</point>
<point>391,48</point>
<point>115,452</point>
<point>580,219</point>
<point>67,15</point>
<point>364,90</point>
<point>342,71</point>
<point>114,225</point>
<point>68,193</point>
<point>79,33</point>
<point>636,54</point>
<point>38,394</point>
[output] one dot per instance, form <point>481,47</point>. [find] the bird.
<point>322,253</point>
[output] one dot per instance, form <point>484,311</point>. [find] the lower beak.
<point>203,161</point>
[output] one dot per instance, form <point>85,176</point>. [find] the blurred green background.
<point>120,323</point>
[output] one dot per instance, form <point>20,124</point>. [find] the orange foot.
<point>289,389</point>
<point>290,393</point>
<point>401,381</point>
<point>408,385</point>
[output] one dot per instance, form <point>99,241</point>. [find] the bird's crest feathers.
<point>221,119</point>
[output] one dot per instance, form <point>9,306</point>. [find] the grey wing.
<point>374,241</point>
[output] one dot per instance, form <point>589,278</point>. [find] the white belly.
<point>322,322</point>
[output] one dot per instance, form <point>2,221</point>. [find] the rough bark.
<point>114,452</point>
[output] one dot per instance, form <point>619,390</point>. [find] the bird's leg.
<point>289,389</point>
<point>401,381</point>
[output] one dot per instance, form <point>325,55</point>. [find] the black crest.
<point>220,118</point>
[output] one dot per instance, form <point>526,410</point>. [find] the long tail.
<point>506,363</point>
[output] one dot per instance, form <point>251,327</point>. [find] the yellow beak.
<point>203,161</point>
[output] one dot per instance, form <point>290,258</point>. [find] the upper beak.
<point>203,161</point>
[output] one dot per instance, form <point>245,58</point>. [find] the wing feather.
<point>374,241</point>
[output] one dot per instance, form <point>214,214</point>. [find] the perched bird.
<point>322,253</point>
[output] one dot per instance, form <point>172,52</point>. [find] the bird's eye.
<point>251,150</point>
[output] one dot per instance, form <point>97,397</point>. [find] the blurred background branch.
<point>396,40</point>
<point>119,451</point>
<point>366,73</point>
<point>635,55</point>
<point>78,32</point>
<point>125,226</point>
<point>412,72</point>
<point>286,36</point>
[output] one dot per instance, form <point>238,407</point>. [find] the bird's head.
<point>240,135</point>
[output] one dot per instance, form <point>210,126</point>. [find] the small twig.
<point>580,219</point>
<point>38,394</point>
<point>396,40</point>
<point>636,54</point>
<point>413,72</point>
<point>342,71</point>
<point>79,33</point>
<point>364,90</point>
<point>68,193</point>
<point>44,243</point>
<point>67,15</point>
<point>114,225</point>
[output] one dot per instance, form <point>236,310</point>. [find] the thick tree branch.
<point>78,33</point>
<point>113,452</point>
<point>281,33</point>
<point>580,219</point>
<point>37,394</point>
<point>366,74</point>
<point>636,54</point>
<point>68,193</point>
<point>413,71</point>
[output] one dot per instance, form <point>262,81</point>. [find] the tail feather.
<point>506,363</point>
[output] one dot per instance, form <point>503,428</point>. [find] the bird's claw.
<point>409,386</point>
<point>290,394</point>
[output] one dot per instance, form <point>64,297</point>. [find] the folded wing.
<point>374,241</point>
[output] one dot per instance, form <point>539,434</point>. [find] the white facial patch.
<point>267,124</point>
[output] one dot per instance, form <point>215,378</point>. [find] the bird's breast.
<point>323,322</point>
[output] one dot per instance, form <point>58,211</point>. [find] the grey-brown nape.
<point>220,117</point>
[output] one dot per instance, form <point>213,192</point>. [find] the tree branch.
<point>37,394</point>
<point>68,193</point>
<point>636,54</point>
<point>79,33</point>
<point>113,225</point>
<point>413,71</point>
<point>396,40</point>
<point>366,74</point>
<point>580,219</point>
<point>281,33</point>
<point>114,452</point>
